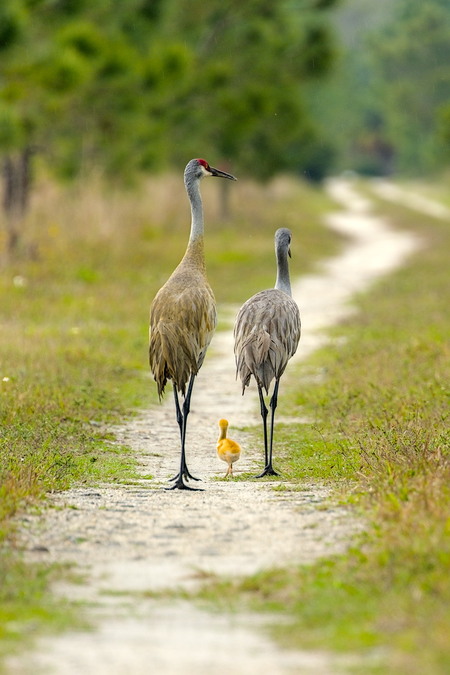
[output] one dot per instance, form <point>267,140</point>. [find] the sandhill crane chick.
<point>266,334</point>
<point>228,451</point>
<point>183,316</point>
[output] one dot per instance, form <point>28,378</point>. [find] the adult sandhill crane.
<point>266,333</point>
<point>227,450</point>
<point>183,315</point>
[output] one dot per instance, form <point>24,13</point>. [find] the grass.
<point>74,328</point>
<point>378,400</point>
<point>26,607</point>
<point>74,317</point>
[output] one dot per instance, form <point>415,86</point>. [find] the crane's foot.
<point>180,485</point>
<point>268,471</point>
<point>186,475</point>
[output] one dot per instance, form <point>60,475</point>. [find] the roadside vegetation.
<point>378,401</point>
<point>74,331</point>
<point>74,312</point>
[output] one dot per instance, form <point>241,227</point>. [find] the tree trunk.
<point>16,191</point>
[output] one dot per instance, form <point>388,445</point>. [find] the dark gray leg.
<point>264,413</point>
<point>182,416</point>
<point>268,469</point>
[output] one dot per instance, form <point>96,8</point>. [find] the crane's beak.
<point>289,252</point>
<point>221,174</point>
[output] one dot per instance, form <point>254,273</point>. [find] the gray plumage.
<point>267,333</point>
<point>183,314</point>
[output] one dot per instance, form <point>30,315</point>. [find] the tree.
<point>413,60</point>
<point>71,88</point>
<point>245,97</point>
<point>138,85</point>
<point>391,87</point>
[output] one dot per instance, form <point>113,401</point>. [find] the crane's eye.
<point>204,163</point>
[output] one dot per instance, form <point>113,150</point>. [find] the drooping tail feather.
<point>171,356</point>
<point>256,357</point>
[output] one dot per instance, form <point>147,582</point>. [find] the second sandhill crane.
<point>266,333</point>
<point>183,316</point>
<point>227,450</point>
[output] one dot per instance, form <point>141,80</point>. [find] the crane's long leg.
<point>268,469</point>
<point>273,404</point>
<point>182,416</point>
<point>186,411</point>
<point>179,416</point>
<point>178,412</point>
<point>264,413</point>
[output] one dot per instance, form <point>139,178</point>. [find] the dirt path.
<point>130,539</point>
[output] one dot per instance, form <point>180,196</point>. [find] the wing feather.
<point>266,332</point>
<point>182,322</point>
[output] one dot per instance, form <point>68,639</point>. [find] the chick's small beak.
<point>289,252</point>
<point>221,174</point>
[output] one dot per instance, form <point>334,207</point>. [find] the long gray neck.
<point>193,190</point>
<point>283,282</point>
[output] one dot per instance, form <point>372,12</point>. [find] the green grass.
<point>74,339</point>
<point>74,320</point>
<point>26,606</point>
<point>379,404</point>
<point>74,311</point>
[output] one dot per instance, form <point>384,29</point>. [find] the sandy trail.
<point>133,538</point>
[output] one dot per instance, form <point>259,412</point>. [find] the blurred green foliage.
<point>300,86</point>
<point>385,105</point>
<point>143,84</point>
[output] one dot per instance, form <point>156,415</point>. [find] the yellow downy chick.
<point>228,451</point>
